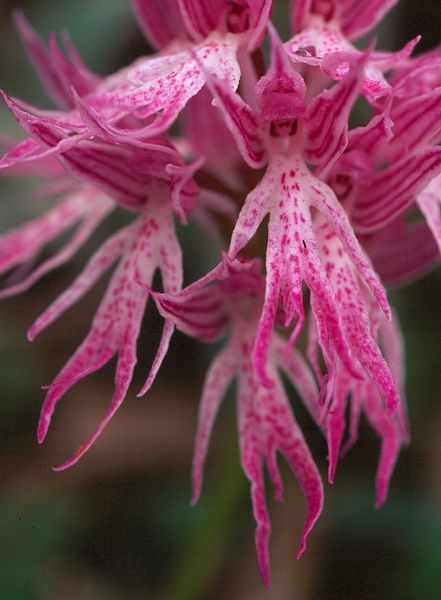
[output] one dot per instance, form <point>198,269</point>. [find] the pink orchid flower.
<point>229,298</point>
<point>337,201</point>
<point>286,133</point>
<point>326,29</point>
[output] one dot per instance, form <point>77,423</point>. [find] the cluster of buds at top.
<point>335,202</point>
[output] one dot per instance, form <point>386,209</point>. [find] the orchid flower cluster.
<point>179,135</point>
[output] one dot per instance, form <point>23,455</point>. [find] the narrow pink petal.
<point>290,442</point>
<point>393,344</point>
<point>252,452</point>
<point>336,422</point>
<point>88,358</point>
<point>124,372</point>
<point>356,405</point>
<point>117,322</point>
<point>390,443</point>
<point>324,200</point>
<point>253,211</point>
<point>299,373</point>
<point>217,380</point>
<point>95,214</point>
<point>163,346</point>
<point>169,262</point>
<point>20,244</point>
<point>109,252</point>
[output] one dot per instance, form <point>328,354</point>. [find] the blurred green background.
<point>119,524</point>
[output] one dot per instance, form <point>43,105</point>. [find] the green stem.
<point>202,555</point>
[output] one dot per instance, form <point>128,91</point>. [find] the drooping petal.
<point>117,323</point>
<point>267,425</point>
<point>388,430</point>
<point>299,374</point>
<point>292,255</point>
<point>355,312</point>
<point>324,200</point>
<point>217,380</point>
<point>97,265</point>
<point>127,173</point>
<point>23,243</point>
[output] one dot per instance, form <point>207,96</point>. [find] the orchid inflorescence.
<point>335,200</point>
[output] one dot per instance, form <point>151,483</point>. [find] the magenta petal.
<point>166,83</point>
<point>429,202</point>
<point>94,215</point>
<point>201,16</point>
<point>417,123</point>
<point>390,443</point>
<point>117,322</point>
<point>324,200</point>
<point>389,192</point>
<point>357,18</point>
<point>401,251</point>
<point>372,137</point>
<point>327,120</point>
<point>260,12</point>
<point>242,122</point>
<point>266,424</point>
<point>124,372</point>
<point>217,380</point>
<point>160,20</point>
<point>299,13</point>
<point>109,252</point>
<point>57,74</point>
